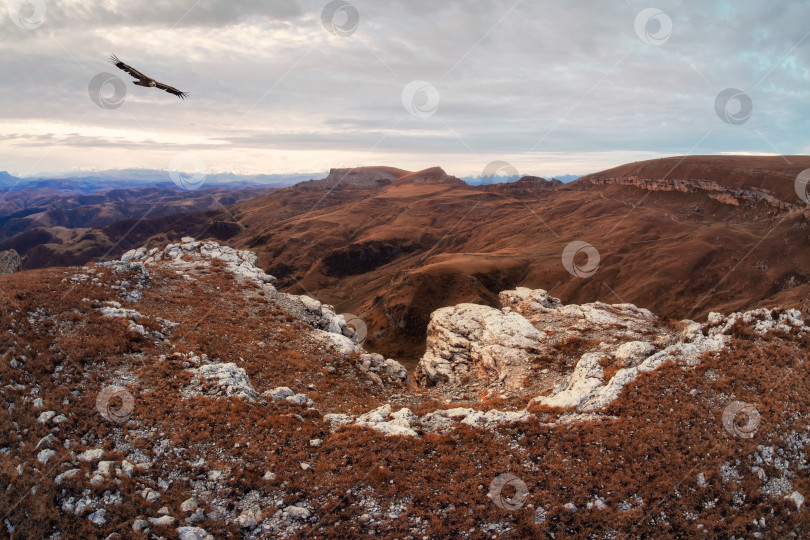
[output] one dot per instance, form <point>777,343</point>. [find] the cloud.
<point>73,14</point>
<point>531,81</point>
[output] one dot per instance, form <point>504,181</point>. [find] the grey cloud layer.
<point>173,13</point>
<point>513,76</point>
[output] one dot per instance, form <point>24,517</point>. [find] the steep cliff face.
<point>713,190</point>
<point>356,178</point>
<point>729,179</point>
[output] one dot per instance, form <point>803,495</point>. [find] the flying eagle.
<point>143,80</point>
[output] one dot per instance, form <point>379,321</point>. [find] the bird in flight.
<point>143,80</point>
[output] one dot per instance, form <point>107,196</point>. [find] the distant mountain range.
<point>133,178</point>
<point>484,180</point>
<point>90,182</point>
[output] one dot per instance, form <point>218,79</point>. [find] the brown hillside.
<point>395,252</point>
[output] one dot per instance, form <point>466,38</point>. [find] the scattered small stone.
<point>539,516</point>
<point>163,521</point>
<point>46,416</point>
<point>278,394</point>
<point>246,521</point>
<point>150,495</point>
<point>128,468</point>
<point>45,455</point>
<point>65,475</point>
<point>297,513</point>
<point>105,467</point>
<point>91,455</point>
<point>97,518</point>
<point>797,498</point>
<point>193,533</point>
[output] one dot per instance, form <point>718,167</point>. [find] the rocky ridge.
<point>330,327</point>
<point>714,190</point>
<point>206,433</point>
<point>478,348</point>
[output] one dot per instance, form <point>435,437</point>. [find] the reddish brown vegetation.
<point>405,248</point>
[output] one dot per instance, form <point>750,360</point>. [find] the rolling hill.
<point>681,237</point>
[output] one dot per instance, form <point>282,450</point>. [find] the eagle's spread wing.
<point>129,69</point>
<point>171,90</point>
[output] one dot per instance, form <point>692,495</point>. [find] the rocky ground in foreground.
<point>177,394</point>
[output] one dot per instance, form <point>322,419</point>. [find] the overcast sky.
<point>551,87</point>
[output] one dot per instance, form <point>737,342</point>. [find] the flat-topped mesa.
<point>357,178</point>
<point>526,186</point>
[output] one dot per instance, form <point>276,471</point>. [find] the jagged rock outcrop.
<point>633,332</point>
<point>500,349</point>
<point>241,263</point>
<point>10,262</point>
<point>588,389</point>
<point>470,346</point>
<point>471,341</point>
